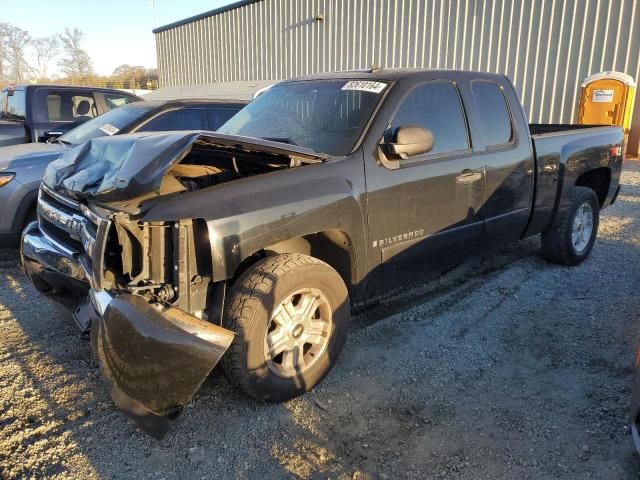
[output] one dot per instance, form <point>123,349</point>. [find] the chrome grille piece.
<point>77,228</point>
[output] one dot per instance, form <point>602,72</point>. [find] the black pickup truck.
<point>248,246</point>
<point>35,113</point>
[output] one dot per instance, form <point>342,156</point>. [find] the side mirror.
<point>52,134</point>
<point>411,140</point>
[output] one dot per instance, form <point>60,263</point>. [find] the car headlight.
<point>6,178</point>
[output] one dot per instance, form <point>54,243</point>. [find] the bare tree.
<point>4,31</point>
<point>46,48</point>
<point>16,42</point>
<point>76,62</point>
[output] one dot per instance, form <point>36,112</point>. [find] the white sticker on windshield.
<point>109,129</point>
<point>364,86</point>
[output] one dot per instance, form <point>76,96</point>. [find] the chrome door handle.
<point>468,177</point>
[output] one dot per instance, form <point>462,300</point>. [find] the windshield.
<point>108,123</point>
<point>327,116</point>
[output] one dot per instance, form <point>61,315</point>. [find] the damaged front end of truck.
<point>153,304</point>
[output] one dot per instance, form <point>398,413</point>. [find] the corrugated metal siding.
<point>547,47</point>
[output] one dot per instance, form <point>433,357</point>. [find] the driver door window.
<point>435,106</point>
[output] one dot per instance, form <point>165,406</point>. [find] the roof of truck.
<point>389,74</point>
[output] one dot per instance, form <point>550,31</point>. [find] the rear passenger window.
<point>115,100</point>
<point>70,106</point>
<point>219,116</point>
<point>493,112</point>
<point>183,119</point>
<point>436,106</point>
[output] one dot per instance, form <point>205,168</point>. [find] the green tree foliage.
<point>134,77</point>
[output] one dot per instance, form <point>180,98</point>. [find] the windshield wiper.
<point>291,142</point>
<point>281,140</point>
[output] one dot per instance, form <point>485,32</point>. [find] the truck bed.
<point>543,128</point>
<point>560,154</point>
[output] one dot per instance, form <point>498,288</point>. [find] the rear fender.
<point>590,152</point>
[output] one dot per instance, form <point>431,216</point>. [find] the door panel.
<point>509,196</point>
<point>430,215</point>
<point>423,214</point>
<point>11,133</point>
<point>508,160</point>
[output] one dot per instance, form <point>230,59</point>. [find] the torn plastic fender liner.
<point>153,362</point>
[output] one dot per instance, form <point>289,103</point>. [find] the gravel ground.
<point>506,367</point>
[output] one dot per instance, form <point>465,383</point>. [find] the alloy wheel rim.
<point>582,227</point>
<point>298,332</point>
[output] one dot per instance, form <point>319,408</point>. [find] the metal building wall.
<point>546,46</point>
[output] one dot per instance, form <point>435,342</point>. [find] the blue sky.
<point>116,31</point>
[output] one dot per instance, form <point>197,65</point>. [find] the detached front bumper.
<point>152,359</point>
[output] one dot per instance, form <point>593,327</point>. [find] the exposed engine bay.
<point>205,166</point>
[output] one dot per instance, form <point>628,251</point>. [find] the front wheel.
<point>570,238</point>
<point>290,314</point>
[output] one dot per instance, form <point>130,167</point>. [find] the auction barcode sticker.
<point>364,86</point>
<point>109,129</point>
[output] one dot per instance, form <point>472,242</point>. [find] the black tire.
<point>557,244</point>
<point>31,216</point>
<point>250,303</point>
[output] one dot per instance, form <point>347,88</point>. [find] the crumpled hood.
<point>29,154</point>
<point>124,167</point>
<point>118,167</point>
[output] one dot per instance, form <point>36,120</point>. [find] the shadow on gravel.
<point>56,419</point>
<point>44,369</point>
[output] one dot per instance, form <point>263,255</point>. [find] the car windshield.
<point>327,116</point>
<point>109,123</point>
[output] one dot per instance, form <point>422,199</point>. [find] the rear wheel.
<point>290,314</point>
<point>571,237</point>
